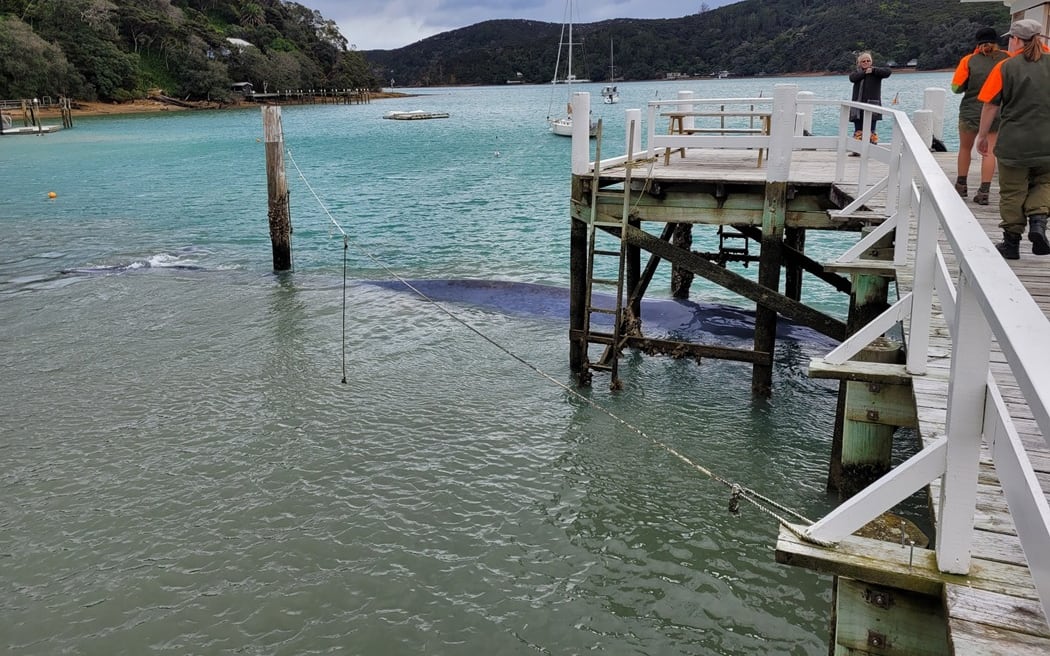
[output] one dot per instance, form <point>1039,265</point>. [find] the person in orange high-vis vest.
<point>1017,91</point>
<point>970,74</point>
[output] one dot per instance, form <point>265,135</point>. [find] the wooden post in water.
<point>681,278</point>
<point>868,414</point>
<point>277,189</point>
<point>774,218</point>
<point>577,288</point>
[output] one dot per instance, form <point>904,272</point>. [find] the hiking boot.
<point>981,197</point>
<point>874,138</point>
<point>961,188</point>
<point>1037,234</point>
<point>1009,247</point>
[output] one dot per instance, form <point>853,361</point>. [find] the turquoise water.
<point>185,472</point>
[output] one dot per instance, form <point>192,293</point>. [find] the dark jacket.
<point>867,87</point>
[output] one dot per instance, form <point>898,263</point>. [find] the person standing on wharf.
<point>970,74</point>
<point>1018,92</point>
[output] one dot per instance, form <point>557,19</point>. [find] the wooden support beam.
<point>794,258</point>
<point>872,372</point>
<point>681,279</point>
<point>638,291</point>
<point>749,289</point>
<point>890,564</point>
<point>875,619</point>
<point>577,285</point>
<point>677,349</point>
<point>769,262</point>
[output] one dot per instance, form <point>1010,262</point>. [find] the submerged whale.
<point>678,319</point>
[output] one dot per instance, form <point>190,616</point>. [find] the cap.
<point>1025,29</point>
<point>986,35</point>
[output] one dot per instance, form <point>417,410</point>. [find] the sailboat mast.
<point>568,75</point>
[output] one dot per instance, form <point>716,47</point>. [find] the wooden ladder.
<point>596,226</point>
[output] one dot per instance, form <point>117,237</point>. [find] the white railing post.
<point>906,210</point>
<point>688,122</point>
<point>845,133</point>
<point>967,392</point>
<point>781,132</point>
<point>804,123</point>
<point>633,116</point>
<point>927,231</point>
<point>650,131</point>
<point>933,99</point>
<point>581,132</point>
<point>923,122</point>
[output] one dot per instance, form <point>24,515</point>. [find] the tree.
<point>252,15</point>
<point>31,67</point>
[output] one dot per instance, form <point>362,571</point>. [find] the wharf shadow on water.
<point>679,319</point>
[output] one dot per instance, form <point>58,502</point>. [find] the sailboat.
<point>610,95</point>
<point>563,125</point>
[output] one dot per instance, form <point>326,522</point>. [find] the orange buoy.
<point>52,194</point>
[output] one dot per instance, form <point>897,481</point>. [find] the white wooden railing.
<point>981,299</point>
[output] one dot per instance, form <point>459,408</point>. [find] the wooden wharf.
<point>312,97</point>
<point>29,108</point>
<point>970,376</point>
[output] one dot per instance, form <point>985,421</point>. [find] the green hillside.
<point>753,37</point>
<point>119,49</point>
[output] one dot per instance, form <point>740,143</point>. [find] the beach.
<point>155,105</point>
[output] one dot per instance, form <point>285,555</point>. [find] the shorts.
<point>973,127</point>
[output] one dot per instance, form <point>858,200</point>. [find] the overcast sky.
<point>388,24</point>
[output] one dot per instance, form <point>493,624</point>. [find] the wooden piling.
<point>794,239</point>
<point>577,289</point>
<point>277,189</point>
<point>862,442</point>
<point>773,218</point>
<point>681,278</point>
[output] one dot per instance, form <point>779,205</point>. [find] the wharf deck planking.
<point>984,616</point>
<point>981,622</point>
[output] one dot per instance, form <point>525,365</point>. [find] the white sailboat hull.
<point>563,127</point>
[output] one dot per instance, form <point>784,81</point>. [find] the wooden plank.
<point>974,639</point>
<point>885,563</point>
<point>870,372</point>
<point>997,610</point>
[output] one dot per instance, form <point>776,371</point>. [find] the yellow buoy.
<point>52,194</point>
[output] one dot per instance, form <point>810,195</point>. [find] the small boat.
<point>414,115</point>
<point>562,126</point>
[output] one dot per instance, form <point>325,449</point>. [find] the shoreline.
<point>151,106</point>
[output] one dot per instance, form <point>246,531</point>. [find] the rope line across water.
<point>737,491</point>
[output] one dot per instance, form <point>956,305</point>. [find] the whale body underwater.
<point>680,319</point>
<point>685,320</point>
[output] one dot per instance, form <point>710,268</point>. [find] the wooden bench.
<point>676,125</point>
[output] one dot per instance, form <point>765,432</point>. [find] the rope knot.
<point>734,499</point>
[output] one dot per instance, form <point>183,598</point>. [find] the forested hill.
<point>196,49</point>
<point>747,38</point>
<point>120,49</point>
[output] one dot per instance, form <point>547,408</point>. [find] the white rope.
<point>759,501</point>
<point>316,197</point>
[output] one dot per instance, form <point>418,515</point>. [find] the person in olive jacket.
<point>1017,91</point>
<point>867,88</point>
<point>970,74</point>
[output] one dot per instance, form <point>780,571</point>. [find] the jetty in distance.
<point>943,336</point>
